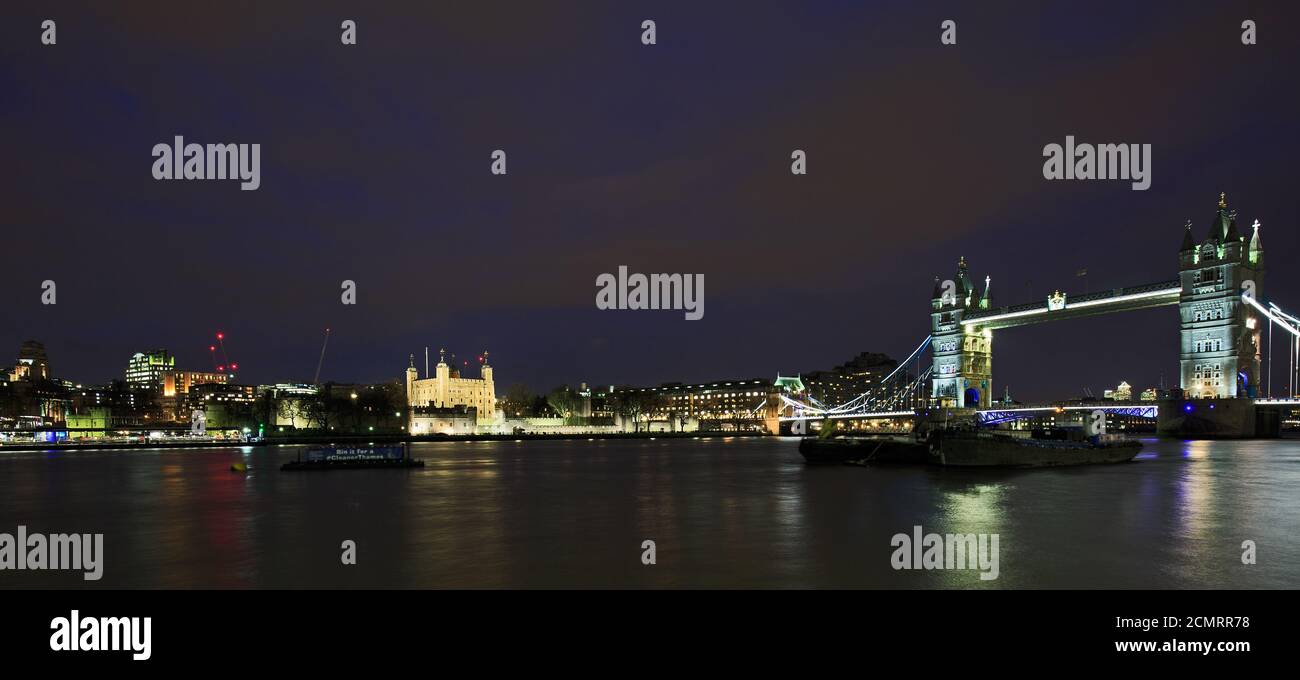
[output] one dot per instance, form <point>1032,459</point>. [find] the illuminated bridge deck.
<point>1101,302</point>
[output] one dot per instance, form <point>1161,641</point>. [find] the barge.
<point>354,458</point>
<point>973,447</point>
<point>863,450</point>
<point>1044,448</point>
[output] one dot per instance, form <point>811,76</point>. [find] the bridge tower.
<point>962,357</point>
<point>1220,352</point>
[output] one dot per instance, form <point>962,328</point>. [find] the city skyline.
<point>395,192</point>
<point>345,305</point>
<point>220,372</point>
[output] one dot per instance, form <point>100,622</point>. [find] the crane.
<point>316,380</point>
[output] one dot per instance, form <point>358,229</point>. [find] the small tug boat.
<point>354,458</point>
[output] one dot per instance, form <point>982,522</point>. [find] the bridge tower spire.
<point>1256,252</point>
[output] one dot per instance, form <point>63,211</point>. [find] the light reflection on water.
<point>737,512</point>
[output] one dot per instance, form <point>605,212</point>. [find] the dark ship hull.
<point>884,449</point>
<point>971,448</point>
<point>985,449</point>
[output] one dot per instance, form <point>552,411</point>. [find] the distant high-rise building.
<point>1124,392</point>
<point>845,382</point>
<point>181,382</point>
<point>146,369</point>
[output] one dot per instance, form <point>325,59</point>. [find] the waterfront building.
<point>97,422</point>
<point>294,406</point>
<point>32,363</point>
<point>225,405</point>
<point>177,389</point>
<point>720,404</point>
<point>450,420</point>
<point>117,395</point>
<point>31,397</point>
<point>446,388</point>
<point>96,419</point>
<point>220,392</point>
<point>848,380</point>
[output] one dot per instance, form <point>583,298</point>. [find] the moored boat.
<point>976,448</point>
<point>877,449</point>
<point>354,457</point>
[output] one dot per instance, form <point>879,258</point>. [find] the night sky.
<point>668,158</point>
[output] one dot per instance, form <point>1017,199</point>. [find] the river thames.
<point>734,512</point>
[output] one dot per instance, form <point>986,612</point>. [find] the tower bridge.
<point>1221,323</point>
<point>1219,349</point>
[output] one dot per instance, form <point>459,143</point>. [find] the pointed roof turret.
<point>964,284</point>
<point>1233,234</point>
<point>938,289</point>
<point>1256,246</point>
<point>1222,220</point>
<point>1188,243</point>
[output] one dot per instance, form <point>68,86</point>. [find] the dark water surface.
<point>733,512</point>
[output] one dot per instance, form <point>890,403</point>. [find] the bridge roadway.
<point>1158,294</point>
<point>1141,409</point>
